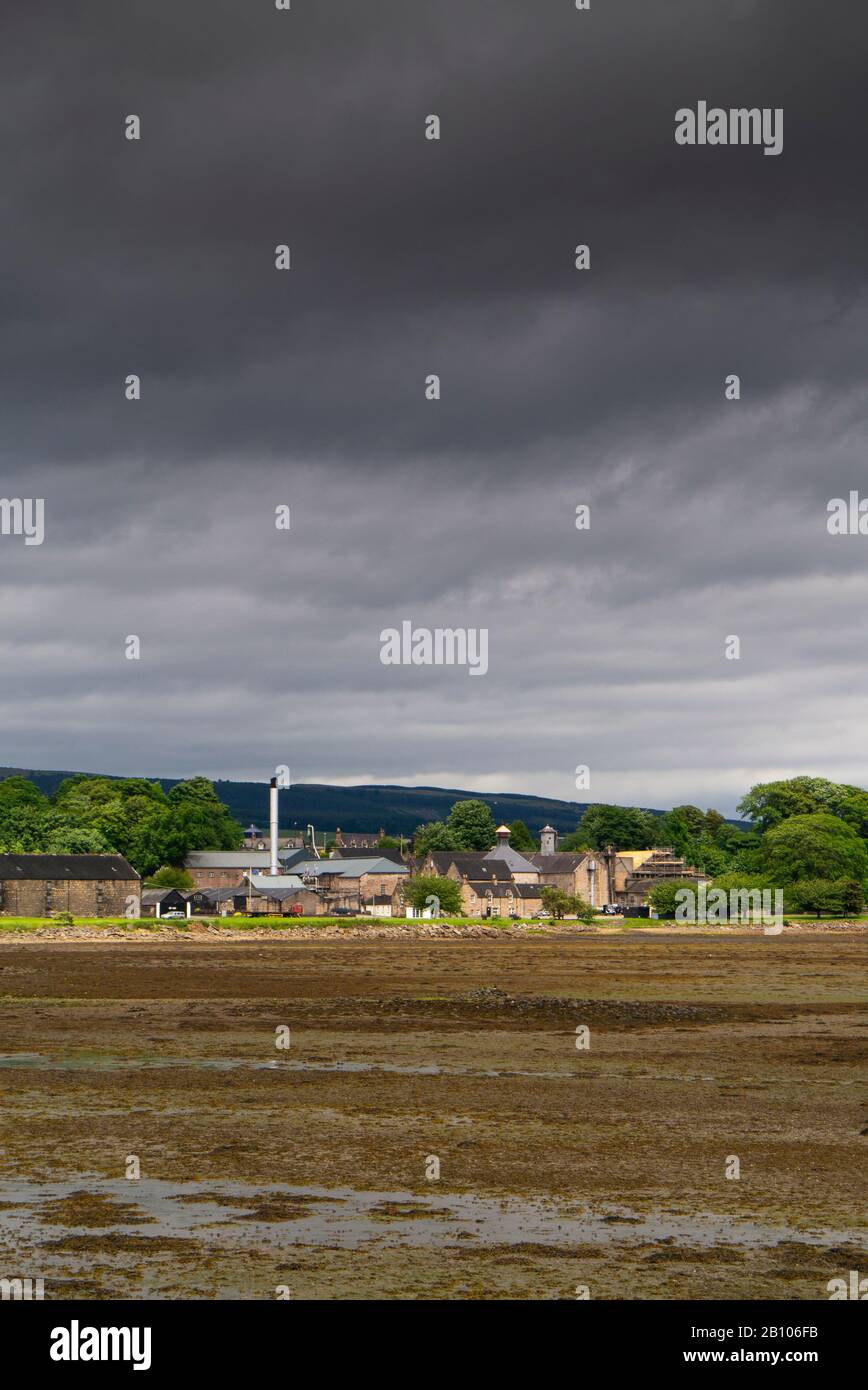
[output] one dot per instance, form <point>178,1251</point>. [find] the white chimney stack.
<point>272,816</point>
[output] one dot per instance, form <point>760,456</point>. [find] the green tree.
<point>198,820</point>
<point>169,876</point>
<point>18,791</point>
<point>673,829</point>
<point>560,904</point>
<point>388,842</point>
<point>707,856</point>
<point>471,825</point>
<point>852,897</point>
<point>854,810</point>
<point>695,820</point>
<point>741,847</point>
<point>70,839</point>
<point>123,812</point>
<point>24,813</point>
<point>728,881</point>
<point>713,821</point>
<point>418,888</point>
<point>436,835</point>
<point>814,846</point>
<point>827,897</point>
<point>521,839</point>
<point>769,803</point>
<point>625,827</point>
<point>664,897</point>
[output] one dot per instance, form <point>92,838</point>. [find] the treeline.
<point>129,816</point>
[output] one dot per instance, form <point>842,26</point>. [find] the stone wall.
<point>33,897</point>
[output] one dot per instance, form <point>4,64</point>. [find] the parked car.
<point>542,913</point>
<point>174,912</point>
<point>613,910</point>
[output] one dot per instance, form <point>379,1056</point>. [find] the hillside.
<point>398,809</point>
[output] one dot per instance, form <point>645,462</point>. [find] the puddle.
<point>226,1216</point>
<point>39,1061</point>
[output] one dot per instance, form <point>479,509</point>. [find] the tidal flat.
<point>432,1129</point>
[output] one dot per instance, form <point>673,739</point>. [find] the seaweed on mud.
<point>552,1008</point>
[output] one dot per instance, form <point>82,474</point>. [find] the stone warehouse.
<point>228,868</point>
<point>87,885</point>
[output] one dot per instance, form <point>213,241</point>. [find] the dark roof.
<point>473,867</point>
<point>504,888</point>
<point>159,895</point>
<point>518,863</point>
<point>343,852</point>
<point>288,857</point>
<point>360,839</point>
<point>72,867</point>
<point>442,858</point>
<point>560,863</point>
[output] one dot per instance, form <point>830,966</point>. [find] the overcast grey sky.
<point>559,387</point>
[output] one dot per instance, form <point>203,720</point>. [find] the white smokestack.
<point>272,816</point>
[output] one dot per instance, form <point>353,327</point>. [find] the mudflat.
<point>432,1129</point>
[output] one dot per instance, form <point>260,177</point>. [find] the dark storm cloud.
<point>411,257</point>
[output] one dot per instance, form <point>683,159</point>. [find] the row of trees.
<point>827,897</point>
<point>130,816</point>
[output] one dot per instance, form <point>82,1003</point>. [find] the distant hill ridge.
<point>397,809</point>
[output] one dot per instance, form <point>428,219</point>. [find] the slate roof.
<point>484,865</point>
<point>272,886</point>
<point>504,888</point>
<point>342,852</point>
<point>442,858</point>
<point>241,858</point>
<point>560,863</point>
<point>515,862</point>
<point>70,867</point>
<point>349,868</point>
<point>150,896</point>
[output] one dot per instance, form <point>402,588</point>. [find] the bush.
<point>828,897</point>
<point>664,897</point>
<point>418,888</point>
<point>561,904</point>
<point>805,847</point>
<point>171,877</point>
